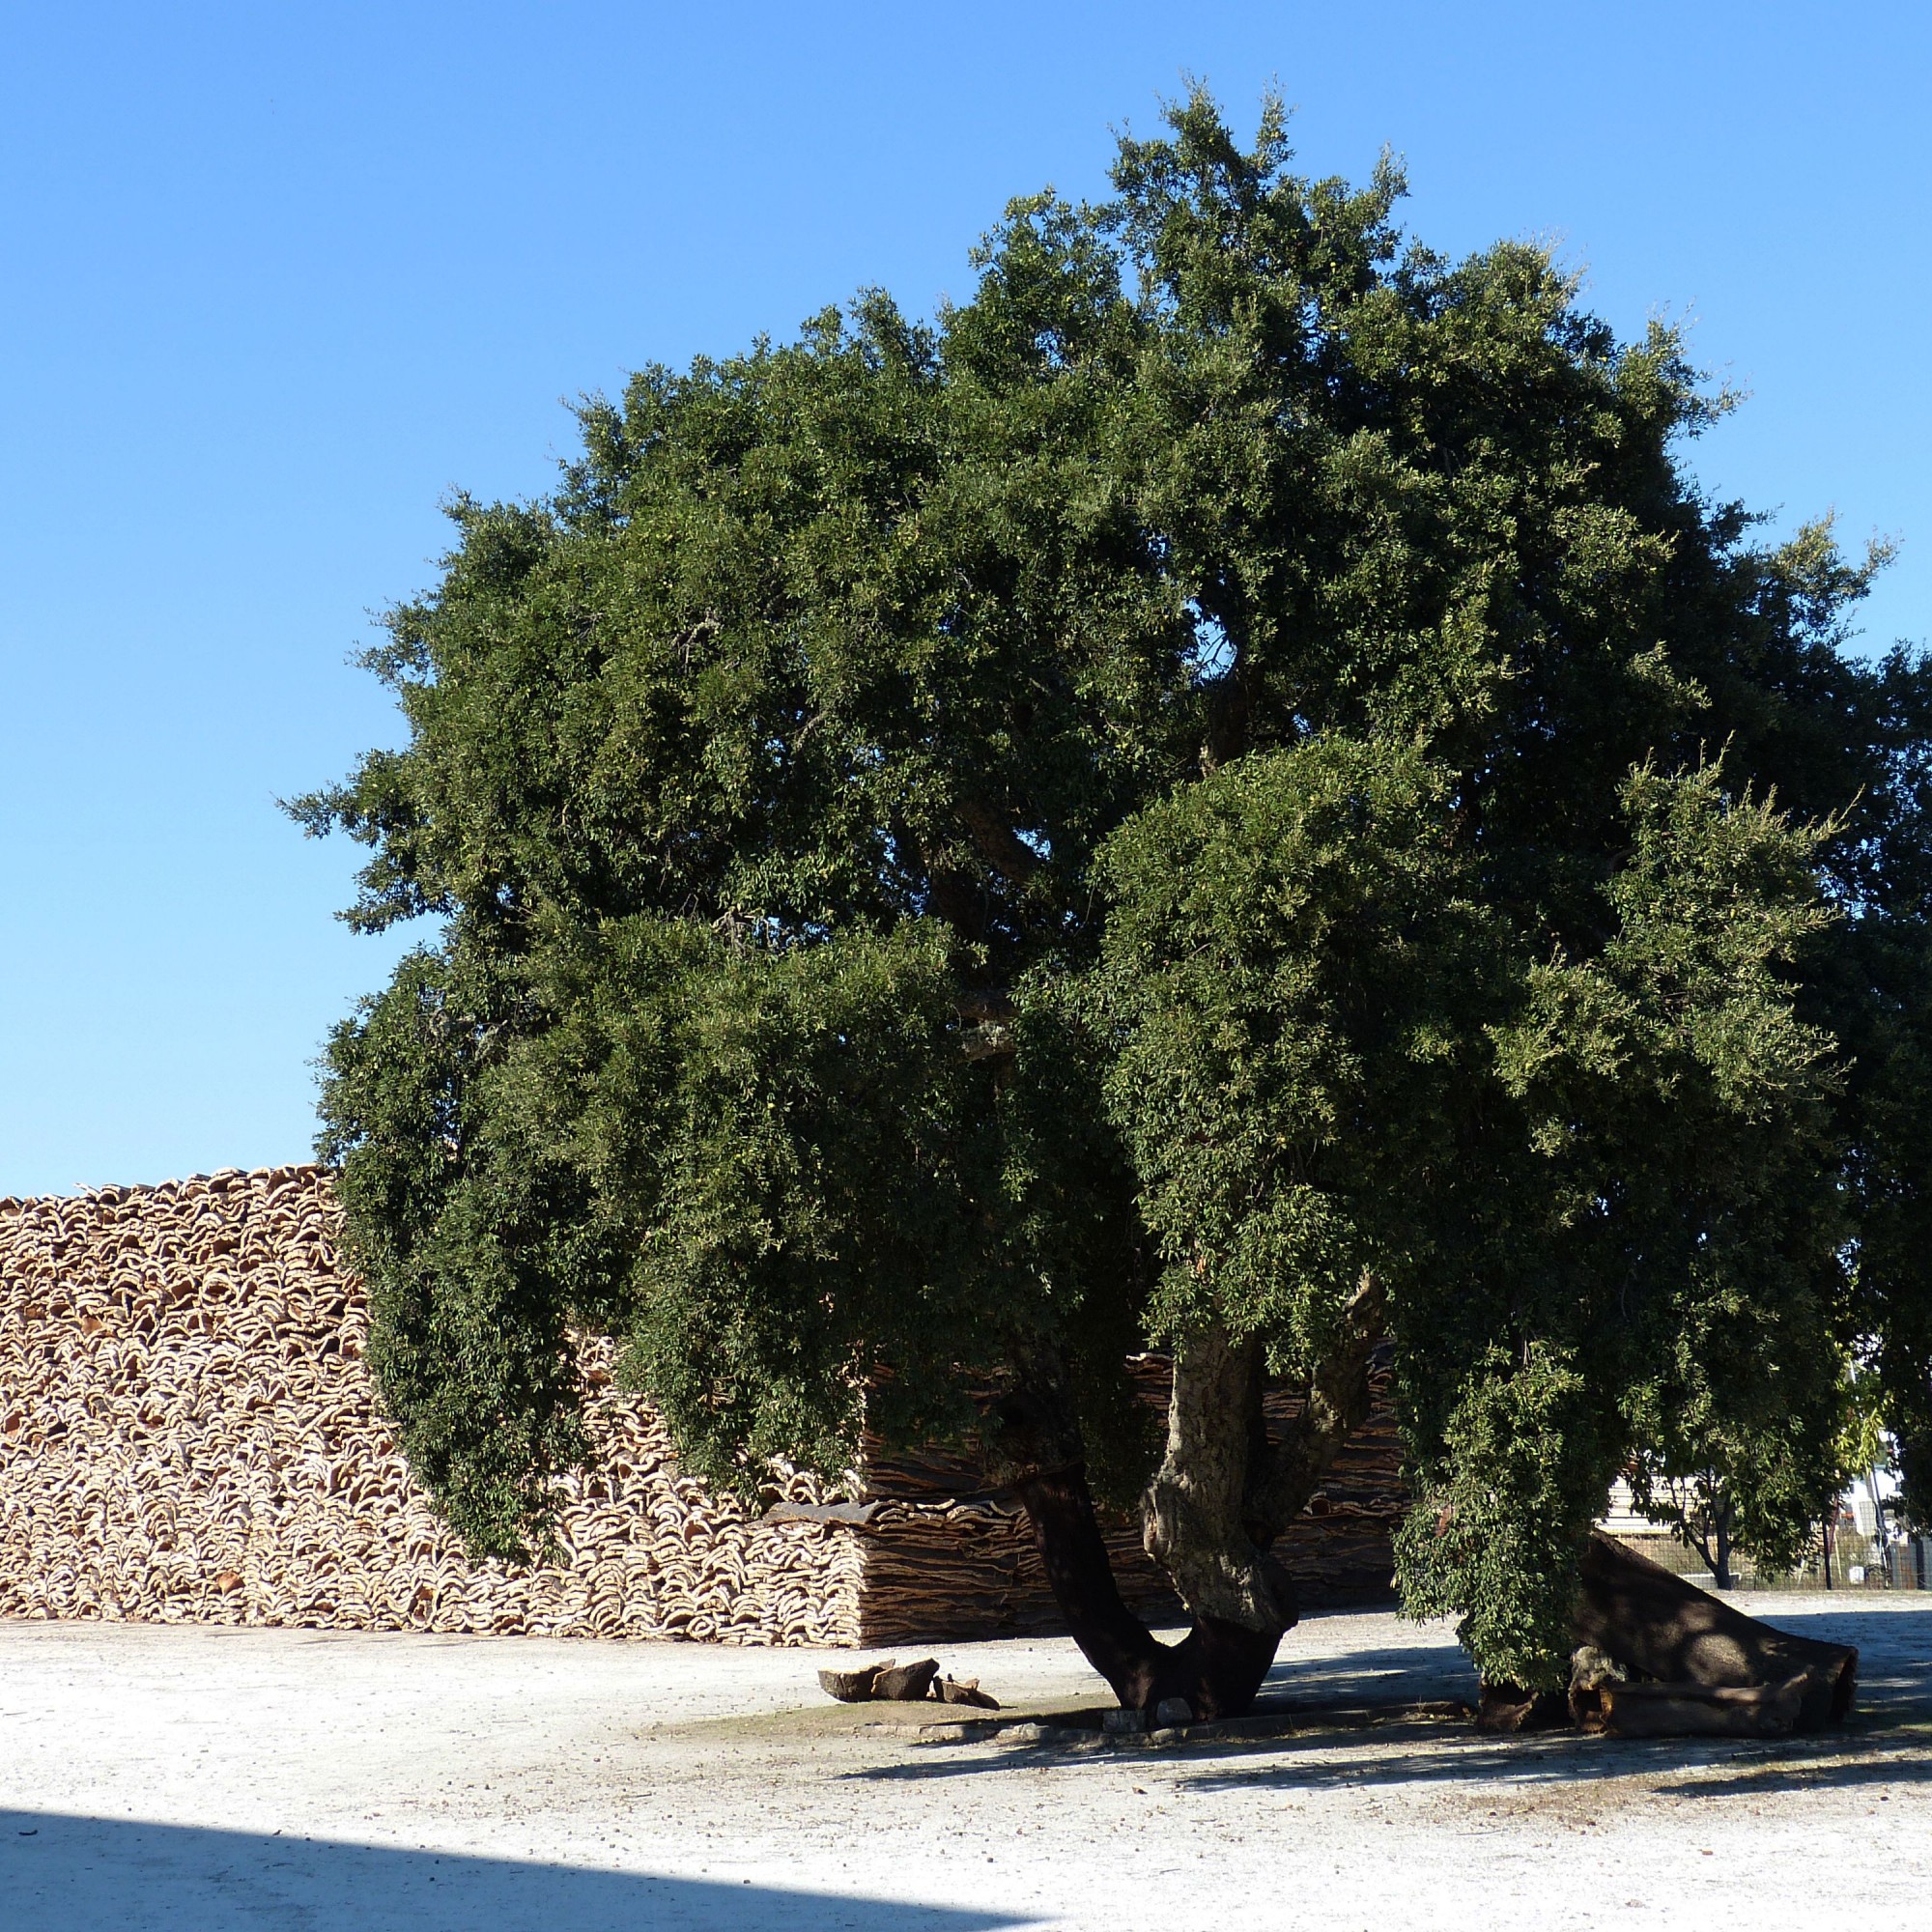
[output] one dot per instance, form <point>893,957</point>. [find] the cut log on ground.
<point>890,1682</point>
<point>907,1683</point>
<point>854,1687</point>
<point>1663,1629</point>
<point>955,1690</point>
<point>1689,1710</point>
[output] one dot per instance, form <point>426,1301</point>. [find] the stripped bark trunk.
<point>1686,1646</point>
<point>1652,1621</point>
<point>1221,1497</point>
<point>1033,1448</point>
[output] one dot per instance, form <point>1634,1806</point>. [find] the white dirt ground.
<point>202,1780</point>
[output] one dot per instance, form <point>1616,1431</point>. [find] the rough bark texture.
<point>1222,1495</point>
<point>1654,1623</point>
<point>1690,1711</point>
<point>1110,1638</point>
<point>1199,1528</point>
<point>1339,1399</point>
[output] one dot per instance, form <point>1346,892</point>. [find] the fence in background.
<point>1859,1562</point>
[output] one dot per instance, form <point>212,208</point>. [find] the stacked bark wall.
<point>937,1540</point>
<point>189,1433</point>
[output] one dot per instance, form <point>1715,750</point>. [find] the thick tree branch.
<point>1228,708</point>
<point>997,842</point>
<point>989,1012</point>
<point>1337,1405</point>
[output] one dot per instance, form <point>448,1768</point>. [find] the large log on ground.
<point>1654,1623</point>
<point>1689,1710</point>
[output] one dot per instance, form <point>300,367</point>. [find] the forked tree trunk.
<point>1215,1669</point>
<point>1221,1497</point>
<point>1714,1540</point>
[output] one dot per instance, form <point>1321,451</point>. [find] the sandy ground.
<point>209,1779</point>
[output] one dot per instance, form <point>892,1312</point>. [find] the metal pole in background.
<point>1879,1526</point>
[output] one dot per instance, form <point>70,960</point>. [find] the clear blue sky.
<point>274,280</point>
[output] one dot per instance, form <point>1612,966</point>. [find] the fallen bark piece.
<point>854,1687</point>
<point>1656,1625</point>
<point>951,1690</point>
<point>906,1683</point>
<point>1590,1670</point>
<point>1693,1711</point>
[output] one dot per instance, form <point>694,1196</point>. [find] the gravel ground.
<point>208,1779</point>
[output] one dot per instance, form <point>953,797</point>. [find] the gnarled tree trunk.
<point>1222,1495</point>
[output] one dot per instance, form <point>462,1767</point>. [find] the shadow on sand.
<point>1889,1742</point>
<point>77,1874</point>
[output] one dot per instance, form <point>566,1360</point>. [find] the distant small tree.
<point>1228,794</point>
<point>1729,1482</point>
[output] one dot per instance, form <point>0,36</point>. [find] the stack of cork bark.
<point>938,1541</point>
<point>189,1433</point>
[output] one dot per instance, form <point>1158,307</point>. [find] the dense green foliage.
<point>1289,972</point>
<point>1234,760</point>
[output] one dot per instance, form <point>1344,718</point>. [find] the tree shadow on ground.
<point>1326,1757</point>
<point>1889,1742</point>
<point>81,1874</point>
<point>1388,1674</point>
<point>1901,1756</point>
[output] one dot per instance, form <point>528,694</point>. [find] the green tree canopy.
<point>1230,792</point>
